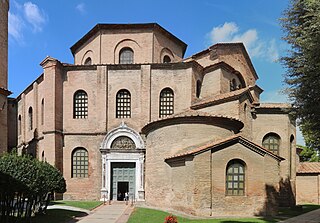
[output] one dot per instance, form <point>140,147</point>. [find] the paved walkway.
<point>114,213</point>
<point>310,217</point>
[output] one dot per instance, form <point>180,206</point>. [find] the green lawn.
<point>146,215</point>
<point>88,205</point>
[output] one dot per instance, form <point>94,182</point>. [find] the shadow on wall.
<point>275,198</point>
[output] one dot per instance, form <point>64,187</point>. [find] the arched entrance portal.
<point>123,154</point>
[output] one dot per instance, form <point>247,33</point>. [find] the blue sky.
<point>40,28</point>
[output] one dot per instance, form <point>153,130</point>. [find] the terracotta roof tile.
<point>220,98</point>
<point>194,113</point>
<point>274,105</point>
<point>309,167</point>
<point>214,143</point>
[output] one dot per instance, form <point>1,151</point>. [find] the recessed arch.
<point>166,53</point>
<point>126,43</point>
<point>86,57</point>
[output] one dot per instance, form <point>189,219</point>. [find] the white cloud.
<point>23,18</point>
<point>15,27</point>
<point>81,8</point>
<point>34,16</point>
<point>230,32</point>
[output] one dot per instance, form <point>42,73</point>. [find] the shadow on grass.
<point>59,216</point>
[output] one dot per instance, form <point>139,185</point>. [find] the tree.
<point>308,155</point>
<point>25,184</point>
<point>301,25</point>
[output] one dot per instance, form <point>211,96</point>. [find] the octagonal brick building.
<point>132,114</point>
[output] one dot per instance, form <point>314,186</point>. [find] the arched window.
<point>88,61</point>
<point>123,104</point>
<point>166,59</point>
<point>166,101</point>
<point>198,90</point>
<point>80,105</point>
<point>235,178</point>
<point>271,142</point>
<point>80,162</point>
<point>30,115</point>
<point>42,112</point>
<point>123,142</point>
<point>19,125</point>
<point>233,85</point>
<point>126,56</point>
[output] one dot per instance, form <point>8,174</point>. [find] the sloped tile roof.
<point>215,143</point>
<point>274,105</point>
<point>192,114</point>
<point>5,91</point>
<point>220,98</point>
<point>309,167</point>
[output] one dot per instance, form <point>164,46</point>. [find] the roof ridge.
<point>216,99</point>
<point>202,147</point>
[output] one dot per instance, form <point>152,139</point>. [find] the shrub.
<point>171,219</point>
<point>25,186</point>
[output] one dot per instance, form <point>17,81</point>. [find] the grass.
<point>88,205</point>
<point>146,215</point>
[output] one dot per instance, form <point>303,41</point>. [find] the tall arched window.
<point>19,125</point>
<point>42,112</point>
<point>42,156</point>
<point>88,61</point>
<point>80,162</point>
<point>166,59</point>
<point>123,104</point>
<point>166,102</point>
<point>198,89</point>
<point>272,142</point>
<point>235,178</point>
<point>80,105</point>
<point>30,116</point>
<point>126,56</point>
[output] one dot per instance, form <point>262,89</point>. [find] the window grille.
<point>272,143</point>
<point>166,106</point>
<point>235,178</point>
<point>126,56</point>
<point>80,163</point>
<point>123,104</point>
<point>80,105</point>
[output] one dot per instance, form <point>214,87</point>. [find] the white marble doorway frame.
<point>136,157</point>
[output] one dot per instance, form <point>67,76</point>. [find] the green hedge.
<point>25,187</point>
